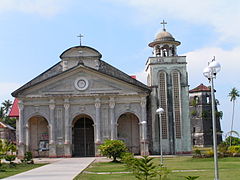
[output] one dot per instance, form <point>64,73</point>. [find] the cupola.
<point>164,44</point>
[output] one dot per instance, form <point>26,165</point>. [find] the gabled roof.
<point>200,88</point>
<point>14,112</point>
<point>104,68</point>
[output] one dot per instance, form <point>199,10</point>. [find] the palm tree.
<point>6,105</point>
<point>2,114</point>
<point>233,96</point>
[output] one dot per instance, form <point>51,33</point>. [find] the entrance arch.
<point>83,136</point>
<point>128,131</point>
<point>38,136</point>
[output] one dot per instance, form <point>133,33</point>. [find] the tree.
<point>7,105</point>
<point>233,96</point>
<point>2,114</point>
<point>113,149</point>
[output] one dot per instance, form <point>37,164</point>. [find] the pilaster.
<point>52,143</point>
<point>143,141</point>
<point>21,144</point>
<point>67,145</point>
<point>112,118</point>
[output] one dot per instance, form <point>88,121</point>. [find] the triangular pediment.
<point>82,81</point>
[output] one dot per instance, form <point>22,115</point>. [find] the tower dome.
<point>163,38</point>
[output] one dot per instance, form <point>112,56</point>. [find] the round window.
<point>81,83</point>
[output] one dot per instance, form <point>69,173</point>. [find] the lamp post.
<point>160,111</point>
<point>210,72</point>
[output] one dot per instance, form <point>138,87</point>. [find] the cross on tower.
<point>80,36</point>
<point>163,23</point>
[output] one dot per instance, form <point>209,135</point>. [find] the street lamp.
<point>210,72</point>
<point>160,111</point>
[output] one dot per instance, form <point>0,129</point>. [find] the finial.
<point>80,36</point>
<point>163,23</point>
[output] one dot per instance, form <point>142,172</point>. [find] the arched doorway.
<point>83,136</point>
<point>38,136</point>
<point>128,131</point>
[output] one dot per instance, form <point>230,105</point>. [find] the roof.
<point>200,88</point>
<point>14,112</point>
<point>164,37</point>
<point>3,125</point>
<point>104,68</point>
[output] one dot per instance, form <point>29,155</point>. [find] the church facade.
<point>72,107</point>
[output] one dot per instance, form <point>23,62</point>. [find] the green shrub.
<point>126,157</point>
<point>210,153</point>
<point>10,158</point>
<point>113,149</point>
<point>197,153</point>
<point>144,168</point>
<point>223,148</point>
<point>162,172</point>
<point>234,149</point>
<point>191,177</point>
<point>27,158</point>
<point>194,113</point>
<point>235,141</point>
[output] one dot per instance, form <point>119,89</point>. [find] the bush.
<point>191,177</point>
<point>162,172</point>
<point>235,141</point>
<point>113,149</point>
<point>28,158</point>
<point>143,168</point>
<point>234,150</point>
<point>210,153</point>
<point>126,157</point>
<point>197,153</point>
<point>10,158</point>
<point>223,149</point>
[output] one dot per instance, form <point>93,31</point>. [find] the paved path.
<point>63,169</point>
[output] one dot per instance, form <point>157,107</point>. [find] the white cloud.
<point>141,76</point>
<point>6,89</point>
<point>229,60</point>
<point>222,15</point>
<point>40,7</point>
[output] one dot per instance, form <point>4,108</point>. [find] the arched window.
<point>176,102</point>
<point>158,51</point>
<point>163,102</point>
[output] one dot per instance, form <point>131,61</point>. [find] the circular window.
<point>81,84</point>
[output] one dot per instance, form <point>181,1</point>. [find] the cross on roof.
<point>163,23</point>
<point>80,36</point>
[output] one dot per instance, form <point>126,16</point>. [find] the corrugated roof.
<point>200,88</point>
<point>14,112</point>
<point>3,125</point>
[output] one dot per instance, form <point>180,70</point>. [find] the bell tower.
<point>168,79</point>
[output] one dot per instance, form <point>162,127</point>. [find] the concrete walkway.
<point>63,169</point>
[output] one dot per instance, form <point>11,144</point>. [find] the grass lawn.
<point>6,171</point>
<point>229,169</point>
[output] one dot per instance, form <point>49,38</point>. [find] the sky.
<point>34,33</point>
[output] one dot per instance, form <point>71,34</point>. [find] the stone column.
<point>27,137</point>
<point>97,121</point>
<point>52,138</point>
<point>97,126</point>
<point>67,144</point>
<point>21,145</point>
<point>112,118</point>
<point>144,142</point>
